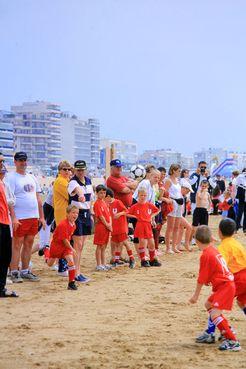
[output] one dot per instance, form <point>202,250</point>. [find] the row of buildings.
<point>47,134</point>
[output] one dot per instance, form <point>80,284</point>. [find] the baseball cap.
<point>116,163</point>
<point>80,164</point>
<point>20,155</point>
<point>186,184</point>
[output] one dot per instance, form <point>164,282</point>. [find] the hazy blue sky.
<point>162,73</point>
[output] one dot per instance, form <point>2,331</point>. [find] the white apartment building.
<point>80,139</point>
<point>126,151</point>
<point>37,131</point>
<point>161,157</point>
<point>6,135</point>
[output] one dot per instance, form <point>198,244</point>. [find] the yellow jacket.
<point>60,195</point>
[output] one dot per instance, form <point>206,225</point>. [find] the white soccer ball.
<point>137,171</point>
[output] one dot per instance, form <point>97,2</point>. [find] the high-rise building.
<point>75,139</point>
<point>80,139</point>
<point>6,135</point>
<point>37,131</point>
<point>124,150</point>
<point>95,142</point>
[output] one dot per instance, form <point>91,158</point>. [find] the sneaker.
<point>107,267</point>
<point>72,286</point>
<point>229,345</point>
<point>16,277</point>
<point>206,338</point>
<point>82,278</point>
<point>145,264</point>
<point>132,263</point>
<point>9,281</point>
<point>100,268</point>
<point>222,337</point>
<point>193,242</point>
<point>29,277</point>
<point>63,274</point>
<point>154,263</point>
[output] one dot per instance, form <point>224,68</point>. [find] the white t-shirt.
<point>145,183</point>
<point>24,187</point>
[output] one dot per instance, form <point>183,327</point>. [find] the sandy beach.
<point>123,318</point>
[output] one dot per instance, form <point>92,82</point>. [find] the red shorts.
<point>28,227</point>
<point>117,238</point>
<point>240,283</point>
<point>223,297</point>
<point>101,236</point>
<point>143,230</point>
<point>58,252</point>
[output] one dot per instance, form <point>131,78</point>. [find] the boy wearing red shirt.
<point>145,213</point>
<point>214,271</point>
<point>103,227</point>
<point>61,248</point>
<point>119,235</point>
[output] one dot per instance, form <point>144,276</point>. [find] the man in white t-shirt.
<point>28,213</point>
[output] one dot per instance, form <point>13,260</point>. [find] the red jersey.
<point>119,225</point>
<point>4,210</point>
<point>63,231</point>
<point>143,212</point>
<point>101,209</point>
<point>213,268</point>
<point>117,184</point>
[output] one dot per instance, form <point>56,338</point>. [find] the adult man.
<point>5,237</point>
<point>241,196</point>
<point>81,194</point>
<point>28,213</point>
<point>196,178</point>
<point>121,185</point>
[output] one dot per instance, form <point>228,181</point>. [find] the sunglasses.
<point>80,170</point>
<point>66,169</point>
<point>2,161</point>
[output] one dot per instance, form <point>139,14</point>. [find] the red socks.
<point>71,273</point>
<point>221,322</point>
<point>151,255</point>
<point>141,253</point>
<point>129,252</point>
<point>117,256</point>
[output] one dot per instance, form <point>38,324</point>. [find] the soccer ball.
<point>137,172</point>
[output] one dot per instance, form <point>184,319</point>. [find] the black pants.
<point>215,203</point>
<point>5,253</point>
<point>241,212</point>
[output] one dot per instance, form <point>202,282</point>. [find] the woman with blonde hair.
<point>173,186</point>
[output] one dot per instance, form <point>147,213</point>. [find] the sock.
<point>211,326</point>
<point>62,265</point>
<point>117,256</point>
<point>46,253</point>
<point>152,255</point>
<point>130,254</point>
<point>244,310</point>
<point>221,322</point>
<point>24,271</point>
<point>142,254</point>
<point>71,273</point>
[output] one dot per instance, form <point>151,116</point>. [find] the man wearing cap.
<point>5,235</point>
<point>241,198</point>
<point>122,186</point>
<point>81,194</point>
<point>28,213</point>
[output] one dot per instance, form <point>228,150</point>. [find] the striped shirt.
<point>87,190</point>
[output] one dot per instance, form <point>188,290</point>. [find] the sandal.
<point>6,293</point>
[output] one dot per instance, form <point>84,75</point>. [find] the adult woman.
<point>173,186</point>
<point>60,199</point>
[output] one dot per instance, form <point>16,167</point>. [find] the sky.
<point>165,74</point>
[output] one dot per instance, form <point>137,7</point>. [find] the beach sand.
<point>123,318</point>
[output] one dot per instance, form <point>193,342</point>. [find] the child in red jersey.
<point>119,235</point>
<point>214,271</point>
<point>61,248</point>
<point>145,213</point>
<point>103,227</point>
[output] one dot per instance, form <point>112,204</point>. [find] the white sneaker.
<point>54,268</point>
<point>100,268</point>
<point>193,242</point>
<point>63,274</point>
<point>107,267</point>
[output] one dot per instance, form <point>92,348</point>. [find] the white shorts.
<point>177,210</point>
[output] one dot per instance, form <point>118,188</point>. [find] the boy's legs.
<point>126,243</point>
<point>98,255</point>
<point>152,253</point>
<point>103,248</point>
<point>141,250</point>
<point>51,261</point>
<point>71,267</point>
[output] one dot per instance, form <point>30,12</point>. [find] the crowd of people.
<point>117,211</point>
